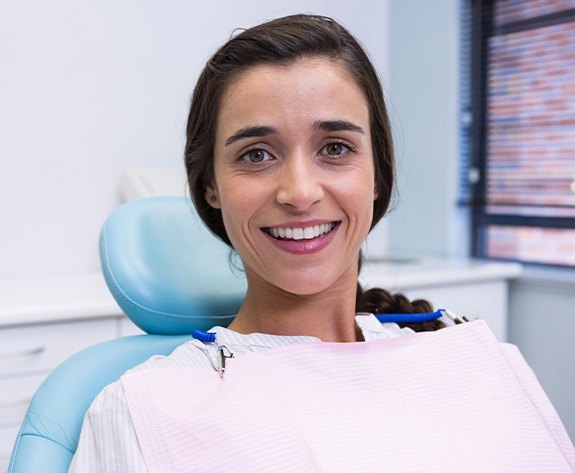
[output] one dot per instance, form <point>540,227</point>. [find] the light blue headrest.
<point>167,272</point>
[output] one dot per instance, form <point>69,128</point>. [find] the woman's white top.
<point>108,441</point>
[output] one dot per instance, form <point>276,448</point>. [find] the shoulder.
<point>192,354</point>
<point>108,424</point>
<point>110,399</point>
<point>108,442</point>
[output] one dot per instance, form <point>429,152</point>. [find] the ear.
<point>375,193</point>
<point>212,197</point>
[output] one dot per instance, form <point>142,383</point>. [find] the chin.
<point>303,287</point>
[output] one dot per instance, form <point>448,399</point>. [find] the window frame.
<point>482,28</point>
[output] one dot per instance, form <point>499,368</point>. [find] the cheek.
<point>357,204</point>
<point>359,193</point>
<point>239,204</point>
<point>233,225</point>
<point>232,213</point>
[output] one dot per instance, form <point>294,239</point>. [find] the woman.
<point>320,46</point>
<point>290,162</point>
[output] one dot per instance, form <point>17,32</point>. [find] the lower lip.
<point>304,247</point>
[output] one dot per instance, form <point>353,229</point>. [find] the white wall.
<point>90,88</point>
<point>423,85</point>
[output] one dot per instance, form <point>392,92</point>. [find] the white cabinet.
<point>15,394</point>
<point>44,321</point>
<point>28,353</point>
<point>7,436</point>
<point>481,300</point>
<point>466,287</point>
<point>40,347</point>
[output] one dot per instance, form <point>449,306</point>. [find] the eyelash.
<point>348,149</point>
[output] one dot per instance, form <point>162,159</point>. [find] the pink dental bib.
<point>454,400</point>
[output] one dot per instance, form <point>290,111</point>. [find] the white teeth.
<point>297,233</point>
<point>308,233</point>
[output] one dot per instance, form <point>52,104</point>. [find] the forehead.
<point>309,89</point>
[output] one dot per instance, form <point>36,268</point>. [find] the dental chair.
<point>170,275</point>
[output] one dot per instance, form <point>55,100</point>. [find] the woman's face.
<point>294,175</point>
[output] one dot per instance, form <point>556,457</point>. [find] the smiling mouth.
<point>300,233</point>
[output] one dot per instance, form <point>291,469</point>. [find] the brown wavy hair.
<point>285,41</point>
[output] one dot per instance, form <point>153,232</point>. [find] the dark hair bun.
<point>380,301</point>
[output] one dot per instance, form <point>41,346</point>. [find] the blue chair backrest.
<point>170,275</point>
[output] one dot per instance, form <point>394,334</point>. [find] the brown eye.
<point>334,149</point>
<point>256,156</point>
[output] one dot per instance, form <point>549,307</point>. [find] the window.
<point>520,179</point>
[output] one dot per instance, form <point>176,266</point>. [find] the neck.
<point>328,315</point>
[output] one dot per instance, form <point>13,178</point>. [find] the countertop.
<point>30,300</point>
<point>424,272</point>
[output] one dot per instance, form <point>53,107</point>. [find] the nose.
<point>300,185</point>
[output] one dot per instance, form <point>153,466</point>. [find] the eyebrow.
<point>250,132</point>
<point>325,125</point>
<point>337,125</point>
